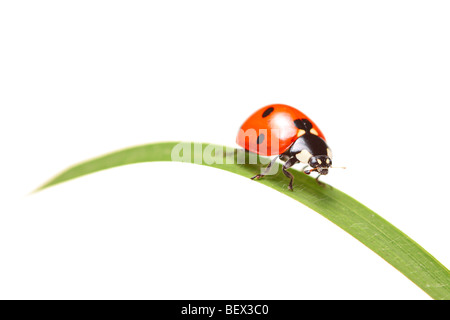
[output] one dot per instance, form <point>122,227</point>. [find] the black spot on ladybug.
<point>299,124</point>
<point>303,124</point>
<point>267,112</point>
<point>260,138</point>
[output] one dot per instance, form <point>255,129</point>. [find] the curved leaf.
<point>362,223</point>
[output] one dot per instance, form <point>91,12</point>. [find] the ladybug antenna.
<point>310,170</point>
<point>339,167</point>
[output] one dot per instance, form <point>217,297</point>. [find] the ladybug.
<point>286,132</point>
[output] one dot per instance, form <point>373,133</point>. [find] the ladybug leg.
<point>286,166</point>
<point>266,171</point>
<point>322,184</point>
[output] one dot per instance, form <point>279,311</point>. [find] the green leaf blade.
<point>372,230</point>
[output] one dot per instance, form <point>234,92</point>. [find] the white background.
<point>82,78</point>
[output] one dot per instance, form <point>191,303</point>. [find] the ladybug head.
<point>320,164</point>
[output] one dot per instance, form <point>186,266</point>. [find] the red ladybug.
<point>281,130</point>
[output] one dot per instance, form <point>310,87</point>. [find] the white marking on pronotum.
<point>329,153</point>
<point>300,133</point>
<point>313,131</point>
<point>328,161</point>
<point>303,156</point>
<point>319,161</point>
